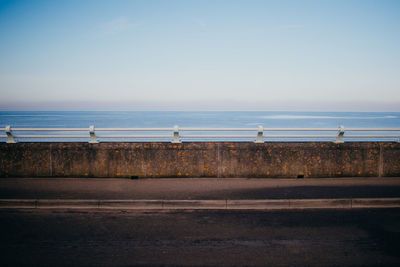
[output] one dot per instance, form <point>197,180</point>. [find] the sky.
<point>200,55</point>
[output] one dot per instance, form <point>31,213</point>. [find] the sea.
<point>198,119</point>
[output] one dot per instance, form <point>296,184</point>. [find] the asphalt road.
<point>197,188</point>
<point>200,238</point>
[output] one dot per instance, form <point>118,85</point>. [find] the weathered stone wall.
<point>200,159</point>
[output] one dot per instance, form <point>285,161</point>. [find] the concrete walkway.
<point>197,188</point>
<point>249,204</point>
<point>167,194</point>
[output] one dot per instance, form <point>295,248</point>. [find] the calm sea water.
<point>240,119</point>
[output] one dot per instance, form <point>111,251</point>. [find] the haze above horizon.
<point>200,55</point>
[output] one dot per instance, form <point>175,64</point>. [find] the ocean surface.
<point>237,119</point>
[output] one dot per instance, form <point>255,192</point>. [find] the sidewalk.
<point>199,193</point>
<point>197,188</point>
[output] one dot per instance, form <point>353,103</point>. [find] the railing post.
<point>259,138</point>
<point>176,135</point>
<point>93,139</point>
<point>339,137</point>
<point>10,137</point>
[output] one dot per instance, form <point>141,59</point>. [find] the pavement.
<point>199,193</point>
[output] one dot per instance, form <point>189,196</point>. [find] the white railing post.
<point>10,137</point>
<point>339,137</point>
<point>93,139</point>
<point>176,135</point>
<point>260,133</point>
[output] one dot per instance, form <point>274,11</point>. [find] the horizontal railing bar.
<point>202,136</point>
<point>52,136</point>
<point>97,129</point>
<point>299,129</point>
<point>87,129</point>
<point>287,129</point>
<point>50,129</point>
<point>299,136</point>
<point>217,136</point>
<point>205,129</point>
<point>134,136</point>
<point>218,129</point>
<point>331,129</point>
<point>371,136</point>
<point>135,129</point>
<point>331,136</point>
<point>372,129</point>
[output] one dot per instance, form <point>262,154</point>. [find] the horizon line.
<point>191,110</point>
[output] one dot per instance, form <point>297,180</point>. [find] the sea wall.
<point>200,159</point>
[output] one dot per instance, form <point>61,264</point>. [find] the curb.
<point>246,204</point>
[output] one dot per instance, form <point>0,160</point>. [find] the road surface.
<point>200,238</point>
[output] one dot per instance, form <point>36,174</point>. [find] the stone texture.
<point>200,159</point>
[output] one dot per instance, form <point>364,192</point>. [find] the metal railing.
<point>177,134</point>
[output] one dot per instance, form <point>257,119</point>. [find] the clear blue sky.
<point>293,55</point>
